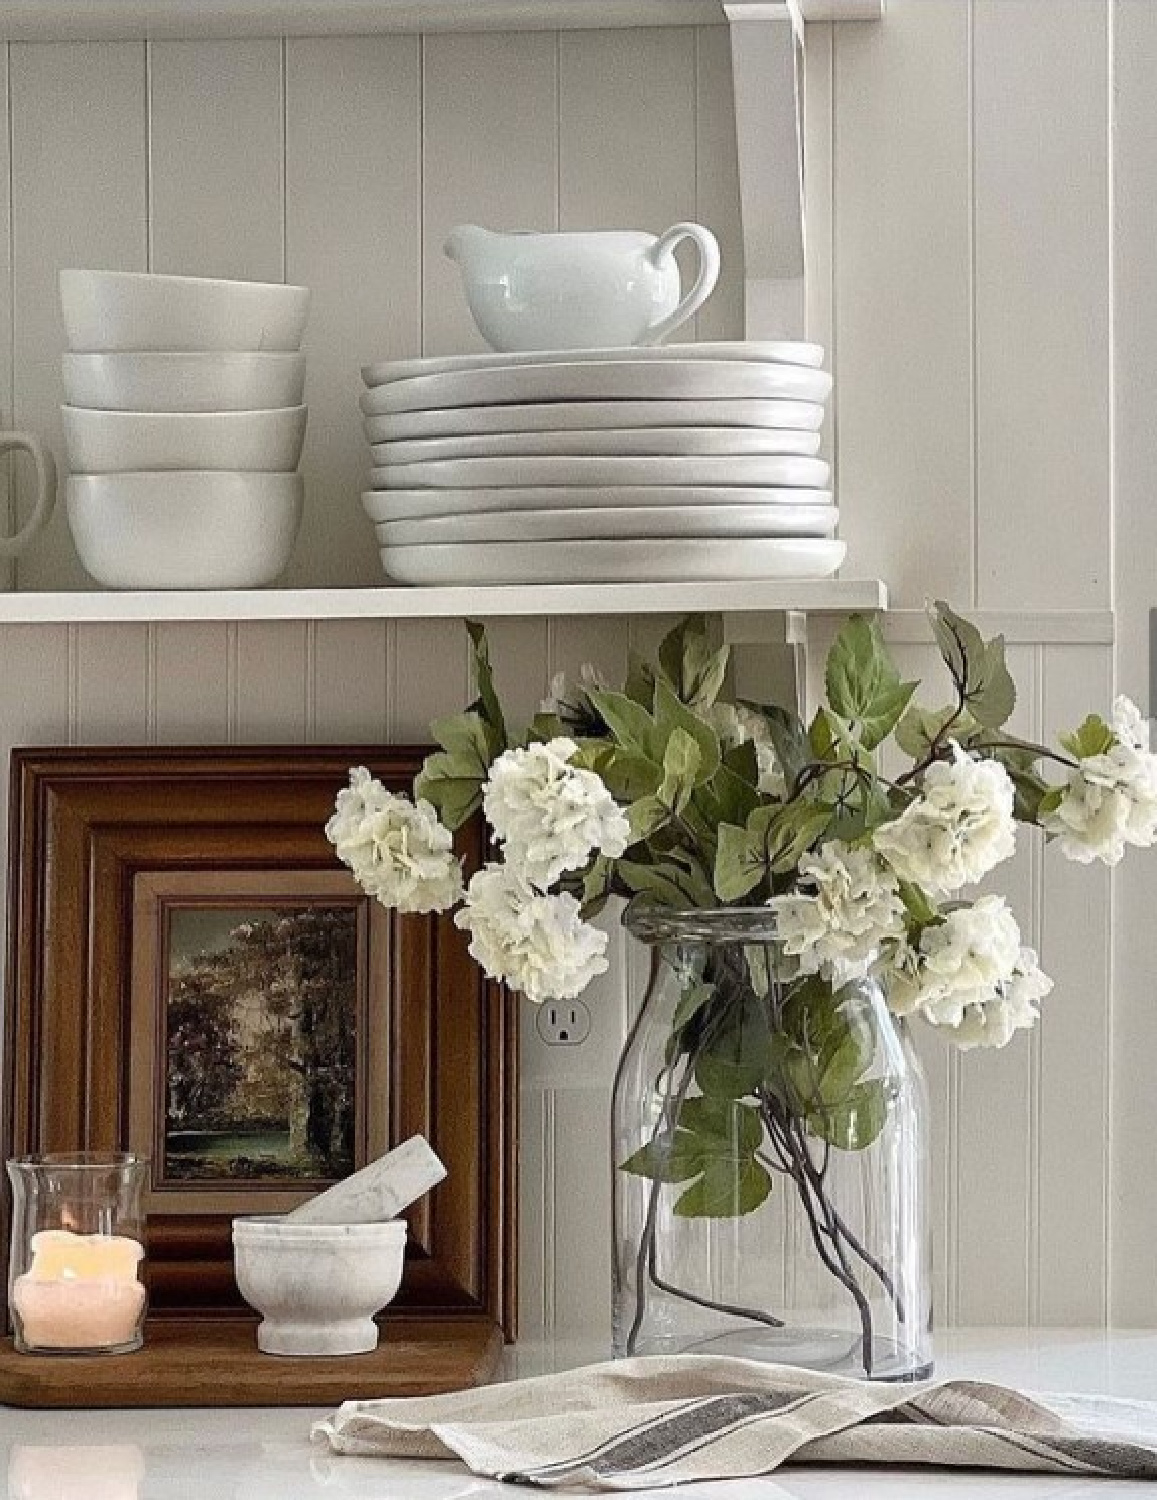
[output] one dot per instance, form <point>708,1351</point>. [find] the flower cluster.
<point>668,791</point>
<point>1110,798</point>
<point>957,830</point>
<point>849,904</point>
<point>549,814</point>
<point>398,850</point>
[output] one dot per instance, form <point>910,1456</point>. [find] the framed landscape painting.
<point>192,975</point>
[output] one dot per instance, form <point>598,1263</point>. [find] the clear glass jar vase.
<point>770,1161</point>
<point>76,1253</point>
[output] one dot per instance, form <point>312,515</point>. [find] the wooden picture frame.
<point>98,834</point>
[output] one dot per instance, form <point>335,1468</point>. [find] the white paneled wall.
<point>980,182</point>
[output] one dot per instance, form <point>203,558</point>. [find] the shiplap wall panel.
<point>353,236</point>
<point>193,670</point>
<point>994,1111</point>
<point>717,184</point>
<point>9,509</point>
<point>634,129</point>
<point>903,331</point>
<point>79,191</point>
<point>113,683</point>
<point>351,677</point>
<point>1076,904</point>
<point>489,157</point>
<point>1041,183</point>
<point>626,129</point>
<point>1132,1207</point>
<point>215,159</point>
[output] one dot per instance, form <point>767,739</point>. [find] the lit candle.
<point>80,1292</point>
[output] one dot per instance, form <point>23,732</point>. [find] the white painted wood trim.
<point>1028,627</point>
<point>93,20</point>
<point>811,595</point>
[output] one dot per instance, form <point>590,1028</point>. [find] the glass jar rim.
<point>714,924</point>
<point>80,1161</point>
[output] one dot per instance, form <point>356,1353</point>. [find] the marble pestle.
<point>379,1191</point>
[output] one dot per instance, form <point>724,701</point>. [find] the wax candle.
<point>80,1292</point>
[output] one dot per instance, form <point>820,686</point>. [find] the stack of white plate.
<point>183,421</point>
<point>682,462</point>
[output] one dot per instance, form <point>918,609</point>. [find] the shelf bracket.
<point>767,42</point>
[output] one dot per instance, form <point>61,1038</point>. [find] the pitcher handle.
<point>45,466</point>
<point>708,247</point>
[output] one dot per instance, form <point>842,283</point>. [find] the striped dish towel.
<point>640,1423</point>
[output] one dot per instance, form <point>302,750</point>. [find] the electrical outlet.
<point>563,1023</point>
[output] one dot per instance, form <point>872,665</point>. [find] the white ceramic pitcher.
<point>45,469</point>
<point>581,290</point>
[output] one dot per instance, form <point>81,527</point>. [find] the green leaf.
<point>681,758</point>
<point>920,727</point>
<point>788,736</point>
<point>791,832</point>
<point>487,704</point>
<point>452,785</point>
<point>627,774</point>
<point>976,666</point>
<point>863,684</point>
<point>468,738</point>
<point>856,1122</point>
<point>1050,801</point>
<point>1029,792</point>
<point>629,722</point>
<point>691,665</point>
<point>664,883</point>
<point>917,904</point>
<point>670,1156</point>
<point>1093,737</point>
<point>737,1060</point>
<point>671,714</point>
<point>729,797</point>
<point>640,683</point>
<point>740,862</point>
<point>726,1190</point>
<point>691,1001</point>
<point>646,816</point>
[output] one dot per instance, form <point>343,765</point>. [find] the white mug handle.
<point>45,466</point>
<point>708,247</point>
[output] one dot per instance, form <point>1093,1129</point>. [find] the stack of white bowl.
<point>678,462</point>
<point>183,425</point>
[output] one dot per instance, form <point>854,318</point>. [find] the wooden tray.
<point>187,1362</point>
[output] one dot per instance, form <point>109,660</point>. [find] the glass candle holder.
<point>76,1254</point>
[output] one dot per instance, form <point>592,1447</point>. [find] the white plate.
<point>661,521</point>
<point>413,505</point>
<point>602,380</point>
<point>665,442</point>
<point>594,416</point>
<point>774,351</point>
<point>517,473</point>
<point>666,559</point>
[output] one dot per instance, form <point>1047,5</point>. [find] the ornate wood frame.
<point>83,824</point>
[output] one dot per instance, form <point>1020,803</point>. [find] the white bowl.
<point>112,310</point>
<point>119,442</point>
<point>197,530</point>
<point>318,1286</point>
<point>183,382</point>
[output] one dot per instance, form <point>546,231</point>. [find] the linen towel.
<point>641,1423</point>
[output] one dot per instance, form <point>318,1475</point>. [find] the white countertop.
<point>265,1454</point>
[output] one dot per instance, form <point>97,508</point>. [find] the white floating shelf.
<point>45,20</point>
<point>804,596</point>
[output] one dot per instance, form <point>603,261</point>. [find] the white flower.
<point>1129,724</point>
<point>398,851</point>
<point>1109,800</point>
<point>538,944</point>
<point>958,829</point>
<point>549,814</point>
<point>969,976</point>
<point>855,906</point>
<point>736,724</point>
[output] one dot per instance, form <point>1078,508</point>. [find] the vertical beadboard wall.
<point>969,218</point>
